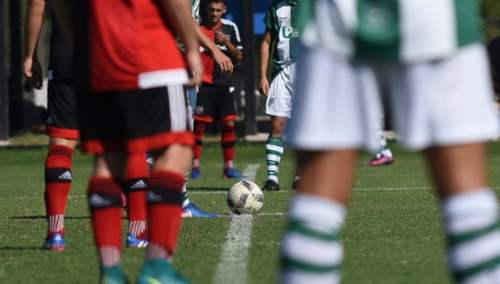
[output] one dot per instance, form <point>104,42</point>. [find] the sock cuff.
<point>325,213</point>
<point>60,150</point>
<point>275,141</point>
<point>137,167</point>
<point>469,211</point>
<point>167,180</point>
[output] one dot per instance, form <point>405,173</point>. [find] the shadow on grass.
<point>20,248</point>
<point>207,188</point>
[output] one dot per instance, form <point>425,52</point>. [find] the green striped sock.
<point>312,248</point>
<point>473,235</point>
<point>274,151</point>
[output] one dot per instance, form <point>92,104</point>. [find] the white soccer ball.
<point>245,197</point>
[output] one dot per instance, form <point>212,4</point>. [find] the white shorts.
<point>337,103</point>
<point>279,101</point>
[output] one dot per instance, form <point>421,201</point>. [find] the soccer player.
<point>280,37</point>
<point>62,128</point>
<point>442,102</point>
<point>216,95</point>
<point>135,103</point>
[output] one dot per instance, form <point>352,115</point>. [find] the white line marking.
<point>233,262</point>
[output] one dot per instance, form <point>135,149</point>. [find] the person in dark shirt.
<point>216,97</point>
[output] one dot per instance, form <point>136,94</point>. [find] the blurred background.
<point>24,111</point>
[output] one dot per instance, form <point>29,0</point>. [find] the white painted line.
<point>233,261</point>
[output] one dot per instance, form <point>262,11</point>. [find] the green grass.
<point>391,236</point>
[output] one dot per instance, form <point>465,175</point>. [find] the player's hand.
<point>224,62</point>
<point>195,67</point>
<point>264,86</point>
<point>221,38</point>
<point>33,73</point>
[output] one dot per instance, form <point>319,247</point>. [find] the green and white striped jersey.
<point>195,10</point>
<point>285,35</point>
<point>397,30</point>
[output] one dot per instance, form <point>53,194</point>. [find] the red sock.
<point>57,185</point>
<point>105,206</point>
<point>136,178</point>
<point>199,133</point>
<point>165,211</point>
<point>228,138</point>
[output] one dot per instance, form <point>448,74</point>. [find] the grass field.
<point>393,231</point>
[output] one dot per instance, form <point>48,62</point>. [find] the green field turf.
<point>393,231</point>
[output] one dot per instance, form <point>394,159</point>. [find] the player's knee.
<point>278,127</point>
<point>104,193</point>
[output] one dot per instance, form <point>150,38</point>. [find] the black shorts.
<point>62,110</point>
<point>215,102</point>
<point>134,121</point>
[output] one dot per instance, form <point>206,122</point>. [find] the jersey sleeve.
<point>236,38</point>
<point>270,20</point>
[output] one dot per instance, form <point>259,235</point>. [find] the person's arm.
<point>34,22</point>
<point>224,39</point>
<point>220,58</point>
<point>264,64</point>
<point>179,15</point>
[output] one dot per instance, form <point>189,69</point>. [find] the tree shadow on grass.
<point>207,188</point>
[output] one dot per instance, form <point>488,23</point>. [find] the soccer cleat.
<point>135,242</point>
<point>113,275</point>
<point>195,173</point>
<point>381,160</point>
<point>296,181</point>
<point>192,210</point>
<point>231,173</point>
<point>160,271</point>
<point>54,243</point>
<point>271,185</point>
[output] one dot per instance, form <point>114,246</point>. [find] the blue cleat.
<point>135,242</point>
<point>113,275</point>
<point>160,271</point>
<point>192,210</point>
<point>232,173</point>
<point>54,243</point>
<point>195,173</point>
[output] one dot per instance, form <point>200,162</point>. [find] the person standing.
<point>216,96</point>
<point>442,103</point>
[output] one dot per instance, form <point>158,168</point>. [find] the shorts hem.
<point>138,145</point>
<point>65,133</point>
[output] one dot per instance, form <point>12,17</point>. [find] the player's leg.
<point>104,195</point>
<point>327,127</point>
<point>62,128</point>
<point>274,151</point>
<point>279,107</point>
<point>204,113</point>
<point>453,114</point>
<point>135,188</point>
<point>226,106</point>
<point>384,155</point>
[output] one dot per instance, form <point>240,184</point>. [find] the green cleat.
<point>113,275</point>
<point>159,271</point>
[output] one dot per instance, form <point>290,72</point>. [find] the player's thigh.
<point>206,103</point>
<point>446,102</point>
<point>62,121</point>
<point>335,104</point>
<point>226,104</point>
<point>279,101</point>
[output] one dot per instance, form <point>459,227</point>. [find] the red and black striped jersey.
<point>132,46</point>
<point>212,72</point>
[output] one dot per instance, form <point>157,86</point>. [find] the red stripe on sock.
<point>199,133</point>
<point>56,193</point>
<point>106,222</point>
<point>165,219</point>
<point>228,137</point>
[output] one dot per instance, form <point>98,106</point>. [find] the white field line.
<point>233,262</point>
<point>208,192</point>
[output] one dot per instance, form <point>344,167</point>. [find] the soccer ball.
<point>245,197</point>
